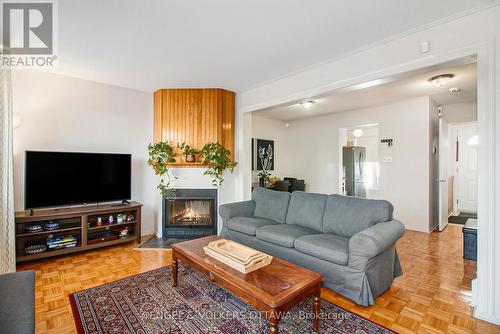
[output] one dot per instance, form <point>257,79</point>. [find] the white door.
<point>444,155</point>
<point>467,168</point>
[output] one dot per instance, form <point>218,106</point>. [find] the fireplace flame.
<point>191,214</point>
<point>194,214</point>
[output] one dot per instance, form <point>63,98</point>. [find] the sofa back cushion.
<point>307,210</point>
<point>346,216</point>
<point>270,204</point>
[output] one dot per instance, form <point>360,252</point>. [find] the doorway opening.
<point>458,161</point>
<point>359,161</point>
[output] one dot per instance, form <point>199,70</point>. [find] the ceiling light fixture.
<point>441,80</point>
<point>307,104</point>
<point>357,133</point>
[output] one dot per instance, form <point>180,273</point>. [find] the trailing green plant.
<point>217,159</point>
<point>187,150</point>
<point>161,154</point>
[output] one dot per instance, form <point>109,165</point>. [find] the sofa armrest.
<point>237,209</point>
<point>374,240</point>
<point>17,302</point>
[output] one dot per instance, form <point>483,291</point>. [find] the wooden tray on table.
<point>237,256</point>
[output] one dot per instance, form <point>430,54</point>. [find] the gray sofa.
<point>17,303</point>
<point>350,240</point>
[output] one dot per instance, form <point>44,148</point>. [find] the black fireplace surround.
<point>191,214</point>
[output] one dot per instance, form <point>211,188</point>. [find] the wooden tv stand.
<point>79,222</point>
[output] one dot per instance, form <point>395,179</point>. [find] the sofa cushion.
<point>329,247</point>
<point>282,234</point>
<point>307,209</point>
<point>248,225</point>
<point>270,204</point>
<point>346,216</point>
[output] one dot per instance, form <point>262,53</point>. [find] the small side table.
<point>470,239</point>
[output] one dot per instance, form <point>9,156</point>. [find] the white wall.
<point>271,129</point>
<point>313,154</point>
<point>460,112</point>
<point>65,114</point>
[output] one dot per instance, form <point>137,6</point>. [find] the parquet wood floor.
<point>432,296</point>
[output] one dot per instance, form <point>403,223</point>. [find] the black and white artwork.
<point>262,154</point>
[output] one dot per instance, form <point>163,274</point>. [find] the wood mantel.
<point>196,117</point>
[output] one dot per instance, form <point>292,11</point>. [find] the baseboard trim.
<point>490,319</point>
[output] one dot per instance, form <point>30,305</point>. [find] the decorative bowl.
<point>50,226</point>
<point>33,228</point>
<point>35,249</point>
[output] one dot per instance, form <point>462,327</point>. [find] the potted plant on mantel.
<point>161,154</point>
<point>188,151</point>
<point>216,158</point>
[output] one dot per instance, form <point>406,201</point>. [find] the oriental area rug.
<point>148,304</point>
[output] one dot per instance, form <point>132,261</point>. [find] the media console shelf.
<point>74,229</point>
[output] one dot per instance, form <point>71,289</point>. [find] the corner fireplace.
<point>191,214</point>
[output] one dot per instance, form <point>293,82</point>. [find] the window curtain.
<point>7,227</point>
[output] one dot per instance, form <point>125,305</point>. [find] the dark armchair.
<point>295,184</point>
<point>282,186</point>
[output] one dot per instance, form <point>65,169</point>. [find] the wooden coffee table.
<point>272,290</point>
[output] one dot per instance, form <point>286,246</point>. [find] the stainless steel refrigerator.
<point>353,164</point>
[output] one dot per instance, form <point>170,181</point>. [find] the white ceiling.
<point>231,44</point>
<point>387,90</point>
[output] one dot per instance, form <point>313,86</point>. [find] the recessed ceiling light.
<point>307,104</point>
<point>441,80</point>
<point>456,90</point>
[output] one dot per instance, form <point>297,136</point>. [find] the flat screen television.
<point>69,178</point>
